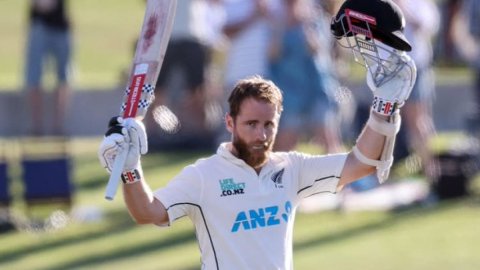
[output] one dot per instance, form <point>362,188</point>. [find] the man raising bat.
<point>243,199</point>
<point>149,54</point>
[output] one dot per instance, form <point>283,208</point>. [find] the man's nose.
<point>261,133</point>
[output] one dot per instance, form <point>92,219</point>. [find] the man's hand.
<point>391,92</point>
<point>121,134</point>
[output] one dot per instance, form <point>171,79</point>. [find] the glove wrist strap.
<point>131,176</point>
<point>383,106</point>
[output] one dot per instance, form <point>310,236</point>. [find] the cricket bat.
<point>146,64</point>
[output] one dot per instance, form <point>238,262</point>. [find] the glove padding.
<point>122,135</point>
<point>393,91</point>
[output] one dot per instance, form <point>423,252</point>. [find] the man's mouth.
<point>259,147</point>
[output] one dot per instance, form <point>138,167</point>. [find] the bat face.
<point>150,32</point>
<point>149,54</point>
<point>148,59</point>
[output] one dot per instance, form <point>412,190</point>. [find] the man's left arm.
<point>370,145</point>
<point>374,147</point>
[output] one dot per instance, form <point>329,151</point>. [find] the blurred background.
<point>52,211</point>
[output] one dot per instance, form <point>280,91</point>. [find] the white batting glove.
<point>392,93</point>
<point>123,134</point>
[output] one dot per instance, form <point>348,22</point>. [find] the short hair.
<point>258,88</point>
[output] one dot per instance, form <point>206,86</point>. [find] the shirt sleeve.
<point>318,174</point>
<point>182,194</point>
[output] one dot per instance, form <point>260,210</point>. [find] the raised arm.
<point>374,34</point>
<point>374,146</point>
<point>142,205</point>
<point>370,144</point>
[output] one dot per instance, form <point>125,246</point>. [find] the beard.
<point>253,157</point>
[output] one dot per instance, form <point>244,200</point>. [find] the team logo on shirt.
<point>229,187</point>
<point>277,178</point>
<point>269,216</point>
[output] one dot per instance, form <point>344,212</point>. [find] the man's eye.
<point>270,125</point>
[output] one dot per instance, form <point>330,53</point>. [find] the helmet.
<point>382,20</point>
<point>373,30</point>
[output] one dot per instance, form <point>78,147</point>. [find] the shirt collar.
<point>225,151</point>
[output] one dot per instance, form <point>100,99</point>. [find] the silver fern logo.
<point>277,178</point>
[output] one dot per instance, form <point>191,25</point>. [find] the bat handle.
<point>114,179</point>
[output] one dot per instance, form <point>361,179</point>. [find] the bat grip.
<point>114,179</point>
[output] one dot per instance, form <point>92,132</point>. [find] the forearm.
<point>366,157</point>
<point>371,142</point>
<point>142,205</point>
<point>138,199</point>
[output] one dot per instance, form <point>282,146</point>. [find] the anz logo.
<point>262,217</point>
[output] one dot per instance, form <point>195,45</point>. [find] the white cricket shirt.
<point>244,220</point>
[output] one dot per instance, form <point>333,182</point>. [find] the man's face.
<point>253,131</point>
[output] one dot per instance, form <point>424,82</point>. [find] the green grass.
<point>442,237</point>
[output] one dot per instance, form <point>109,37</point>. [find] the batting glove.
<point>122,135</point>
<point>395,90</point>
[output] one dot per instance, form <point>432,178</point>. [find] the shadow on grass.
<point>395,217</point>
<point>119,227</point>
<point>133,252</point>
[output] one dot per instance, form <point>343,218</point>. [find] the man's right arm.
<point>142,205</point>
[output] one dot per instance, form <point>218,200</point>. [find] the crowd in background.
<point>289,42</point>
<point>215,43</point>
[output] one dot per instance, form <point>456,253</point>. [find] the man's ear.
<point>229,123</point>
